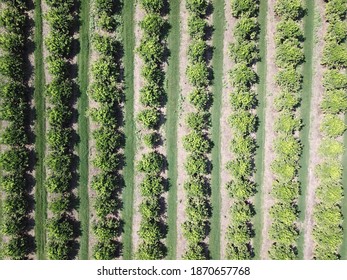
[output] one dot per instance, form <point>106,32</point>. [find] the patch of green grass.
<point>259,157</point>
<point>128,191</point>
<point>173,92</point>
<point>305,115</point>
<point>83,129</point>
<point>40,140</point>
<point>217,64</point>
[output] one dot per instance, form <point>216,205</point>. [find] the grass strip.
<point>259,156</point>
<point>173,92</point>
<point>305,116</point>
<point>83,129</point>
<point>40,139</point>
<point>128,192</point>
<point>217,89</point>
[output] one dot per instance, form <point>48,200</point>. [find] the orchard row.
<point>328,232</point>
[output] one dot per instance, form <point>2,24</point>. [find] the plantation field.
<point>173,129</point>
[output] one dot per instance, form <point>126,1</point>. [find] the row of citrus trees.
<point>287,147</point>
<point>106,91</point>
<point>14,110</point>
<point>152,98</point>
<point>244,52</point>
<point>197,143</point>
<point>328,232</point>
<point>60,134</point>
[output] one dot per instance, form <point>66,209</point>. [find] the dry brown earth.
<point>269,130</point>
<point>315,135</point>
<point>182,130</point>
<point>226,132</point>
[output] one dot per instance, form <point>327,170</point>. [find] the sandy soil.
<point>226,134</point>
<point>48,79</point>
<point>92,171</point>
<point>315,135</point>
<point>269,132</point>
<point>139,14</point>
<point>184,109</point>
<point>45,32</point>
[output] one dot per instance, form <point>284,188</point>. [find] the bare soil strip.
<point>138,83</point>
<point>226,132</point>
<point>315,135</point>
<point>269,131</point>
<point>92,171</point>
<point>184,108</point>
<point>259,157</point>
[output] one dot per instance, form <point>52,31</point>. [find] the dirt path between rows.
<point>138,83</point>
<point>184,109</point>
<point>92,171</point>
<point>226,131</point>
<point>315,136</point>
<point>269,129</point>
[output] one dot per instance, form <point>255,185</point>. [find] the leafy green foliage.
<point>153,24</point>
<point>197,50</point>
<point>197,74</point>
<point>152,6</point>
<point>335,10</point>
<point>289,54</point>
<point>196,27</point>
<point>289,80</point>
<point>196,165</point>
<point>197,6</point>
<point>334,102</point>
<point>332,125</point>
<point>14,156</point>
<point>200,98</point>
<point>246,28</point>
<point>245,53</point>
<point>287,30</point>
<point>337,32</point>
<point>241,76</point>
<point>289,9</point>
<point>151,163</point>
<point>334,79</point>
<point>334,55</point>
<point>243,122</point>
<point>198,121</point>
<point>149,118</point>
<point>196,142</point>
<point>244,7</point>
